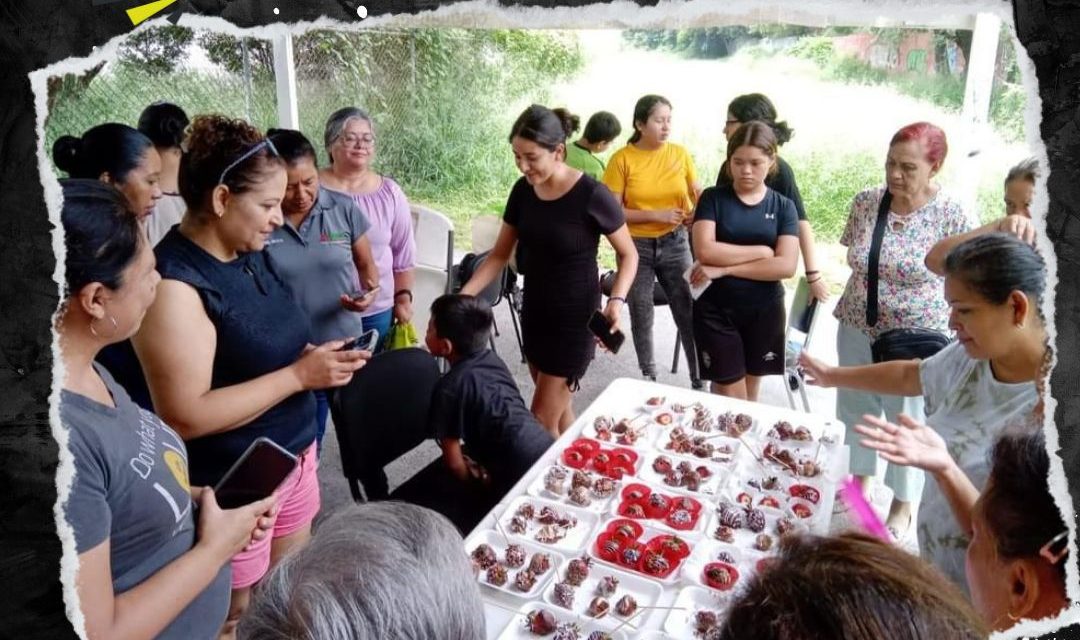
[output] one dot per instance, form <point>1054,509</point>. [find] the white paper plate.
<point>596,505</point>
<point>745,538</point>
<point>706,552</point>
<point>576,537</point>
<point>680,621</point>
<point>644,590</point>
<point>706,491</point>
<point>517,630</point>
<point>498,543</point>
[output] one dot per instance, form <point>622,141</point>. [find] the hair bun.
<point>67,153</point>
<point>570,122</point>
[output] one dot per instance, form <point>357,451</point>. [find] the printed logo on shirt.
<point>272,241</point>
<point>176,496</point>
<point>770,216</point>
<point>769,357</point>
<point>335,237</point>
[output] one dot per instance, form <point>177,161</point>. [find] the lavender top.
<point>391,235</point>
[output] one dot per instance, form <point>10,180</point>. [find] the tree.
<point>228,53</point>
<point>156,50</point>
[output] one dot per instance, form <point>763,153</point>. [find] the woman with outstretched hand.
<point>148,567</point>
<point>974,386</point>
<point>1019,542</point>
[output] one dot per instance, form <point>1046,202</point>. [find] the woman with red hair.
<point>915,214</point>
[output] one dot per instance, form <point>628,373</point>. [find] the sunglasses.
<point>266,143</point>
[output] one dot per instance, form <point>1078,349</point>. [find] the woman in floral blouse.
<point>909,294</point>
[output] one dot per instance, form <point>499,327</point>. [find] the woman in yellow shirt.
<point>657,185</point>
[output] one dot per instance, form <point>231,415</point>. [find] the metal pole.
<point>285,79</point>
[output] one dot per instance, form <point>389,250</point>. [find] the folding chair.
<point>485,231</point>
<point>382,414</point>
<point>607,283</point>
<point>802,317</point>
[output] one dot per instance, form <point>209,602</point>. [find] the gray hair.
<point>1027,169</point>
<point>336,123</point>
<point>376,570</point>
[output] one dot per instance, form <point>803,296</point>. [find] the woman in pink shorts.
<point>226,352</point>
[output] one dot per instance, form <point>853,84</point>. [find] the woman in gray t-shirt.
<point>141,572</point>
<point>974,387</point>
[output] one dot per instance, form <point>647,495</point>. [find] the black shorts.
<point>734,342</point>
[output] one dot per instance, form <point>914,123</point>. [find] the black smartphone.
<point>365,342</point>
<point>256,475</point>
<point>601,328</point>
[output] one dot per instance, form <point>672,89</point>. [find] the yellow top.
<point>652,181</point>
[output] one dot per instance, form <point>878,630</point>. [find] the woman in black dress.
<point>558,215</point>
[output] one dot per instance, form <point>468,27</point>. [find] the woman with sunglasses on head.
<point>227,353</point>
<point>322,251</point>
<point>656,183</point>
<point>149,566</point>
<point>755,106</point>
<point>973,387</point>
<point>350,143</point>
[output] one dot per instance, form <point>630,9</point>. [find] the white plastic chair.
<point>434,234</point>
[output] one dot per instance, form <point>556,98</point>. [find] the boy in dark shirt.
<point>478,401</point>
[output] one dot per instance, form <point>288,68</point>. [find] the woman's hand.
<point>1018,226</point>
<point>226,532</point>
<point>669,216</point>
<point>476,471</point>
<point>815,371</point>
<point>911,443</point>
<point>403,311</point>
<point>611,312</point>
<point>324,366</point>
<point>358,304</point>
<point>702,274</point>
<point>819,290</point>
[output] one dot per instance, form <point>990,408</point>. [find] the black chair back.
<point>381,414</point>
<point>607,283</point>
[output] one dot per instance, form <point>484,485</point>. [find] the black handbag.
<point>895,344</point>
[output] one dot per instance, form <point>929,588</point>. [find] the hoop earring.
<point>1012,617</point>
<point>109,337</point>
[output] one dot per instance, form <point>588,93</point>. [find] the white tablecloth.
<point>625,397</point>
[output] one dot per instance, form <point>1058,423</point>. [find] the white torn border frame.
<point>620,15</point>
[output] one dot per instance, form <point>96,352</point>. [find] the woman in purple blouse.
<point>350,143</point>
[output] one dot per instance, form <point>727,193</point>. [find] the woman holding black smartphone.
<point>322,252</point>
<point>143,571</point>
<point>558,214</point>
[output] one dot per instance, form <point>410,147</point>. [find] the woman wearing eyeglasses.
<point>350,143</point>
<point>226,351</point>
<point>971,388</point>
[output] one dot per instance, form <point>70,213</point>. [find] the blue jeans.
<point>322,409</point>
<point>381,323</point>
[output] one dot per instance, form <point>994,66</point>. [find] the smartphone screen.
<point>366,342</point>
<point>256,475</point>
<point>600,327</point>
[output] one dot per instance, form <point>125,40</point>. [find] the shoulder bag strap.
<point>873,259</point>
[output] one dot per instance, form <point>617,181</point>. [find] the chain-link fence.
<point>442,99</point>
<point>200,73</point>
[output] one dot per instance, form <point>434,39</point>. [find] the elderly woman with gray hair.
<point>375,570</point>
<point>350,143</point>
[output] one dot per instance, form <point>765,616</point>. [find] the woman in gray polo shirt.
<point>322,252</point>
